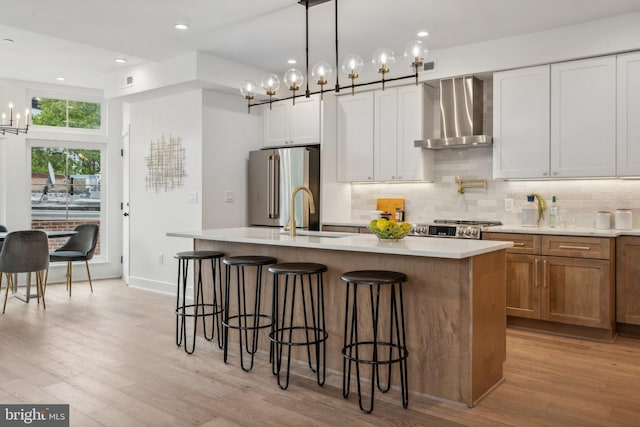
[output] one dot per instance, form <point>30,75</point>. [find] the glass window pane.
<point>65,189</point>
<point>54,112</point>
<point>49,112</point>
<point>85,115</point>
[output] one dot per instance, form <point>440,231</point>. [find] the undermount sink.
<point>328,234</point>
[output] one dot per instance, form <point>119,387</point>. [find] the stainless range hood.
<point>460,116</point>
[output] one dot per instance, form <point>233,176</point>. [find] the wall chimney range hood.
<point>460,116</point>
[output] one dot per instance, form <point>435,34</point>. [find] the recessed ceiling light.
<point>423,33</point>
<point>120,60</point>
<point>181,27</point>
<point>7,40</point>
<point>292,61</point>
<point>61,79</point>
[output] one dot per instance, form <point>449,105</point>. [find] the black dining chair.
<point>3,229</point>
<point>25,252</point>
<point>79,247</point>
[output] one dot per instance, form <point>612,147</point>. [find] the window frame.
<point>70,96</point>
<point>104,176</point>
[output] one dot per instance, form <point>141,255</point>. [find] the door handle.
<point>580,248</point>
<point>276,187</point>
<point>125,214</point>
<point>270,187</point>
<point>544,273</point>
<point>535,273</point>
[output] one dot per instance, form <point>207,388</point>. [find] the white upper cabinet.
<point>583,118</point>
<point>399,121</point>
<point>628,147</point>
<point>387,151</point>
<point>355,137</point>
<point>521,123</point>
<point>288,124</point>
<point>556,121</point>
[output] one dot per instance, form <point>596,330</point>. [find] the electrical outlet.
<point>192,197</point>
<point>230,197</point>
<point>160,258</point>
<point>508,205</point>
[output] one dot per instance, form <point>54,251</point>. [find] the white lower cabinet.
<point>376,134</point>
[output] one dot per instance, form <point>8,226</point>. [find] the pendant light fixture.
<point>414,52</point>
<point>351,66</point>
<point>248,90</point>
<point>8,126</point>
<point>293,78</point>
<point>270,83</point>
<point>321,73</point>
<point>382,60</point>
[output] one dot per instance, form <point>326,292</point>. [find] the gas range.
<point>456,229</point>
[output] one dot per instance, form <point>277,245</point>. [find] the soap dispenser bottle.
<point>530,213</point>
<point>553,213</point>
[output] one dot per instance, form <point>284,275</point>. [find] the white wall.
<point>153,214</point>
<point>230,132</point>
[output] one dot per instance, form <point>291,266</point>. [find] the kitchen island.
<point>454,299</point>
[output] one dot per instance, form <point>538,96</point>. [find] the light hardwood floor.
<point>111,355</point>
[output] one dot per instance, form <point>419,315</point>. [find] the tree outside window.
<point>65,113</point>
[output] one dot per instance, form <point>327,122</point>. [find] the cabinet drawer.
<point>522,243</point>
<point>577,247</point>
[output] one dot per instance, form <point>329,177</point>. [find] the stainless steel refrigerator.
<point>273,175</point>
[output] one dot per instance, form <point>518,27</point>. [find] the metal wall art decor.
<point>165,164</point>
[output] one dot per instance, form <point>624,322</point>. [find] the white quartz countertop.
<point>565,231</point>
<point>410,245</point>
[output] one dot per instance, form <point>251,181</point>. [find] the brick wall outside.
<point>55,243</point>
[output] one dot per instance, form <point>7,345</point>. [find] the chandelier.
<point>8,127</point>
<point>351,66</point>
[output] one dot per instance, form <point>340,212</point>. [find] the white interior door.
<point>125,204</point>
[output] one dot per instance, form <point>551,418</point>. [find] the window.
<point>66,113</point>
<point>66,188</point>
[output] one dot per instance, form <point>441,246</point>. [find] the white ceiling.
<point>79,39</point>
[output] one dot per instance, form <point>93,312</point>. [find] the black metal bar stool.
<point>198,308</point>
<point>244,320</point>
<point>301,328</point>
<point>375,348</point>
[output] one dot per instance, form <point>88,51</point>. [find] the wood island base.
<point>454,312</point>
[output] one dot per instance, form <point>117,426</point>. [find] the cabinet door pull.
<point>535,273</point>
<point>544,273</point>
<point>581,248</point>
<point>520,244</point>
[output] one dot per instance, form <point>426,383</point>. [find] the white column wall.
<point>153,213</point>
<point>229,134</point>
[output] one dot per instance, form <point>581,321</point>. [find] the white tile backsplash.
<point>578,200</point>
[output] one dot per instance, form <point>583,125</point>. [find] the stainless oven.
<point>455,229</point>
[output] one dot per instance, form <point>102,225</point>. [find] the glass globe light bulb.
<point>382,59</point>
<point>293,78</point>
<point>248,89</point>
<point>414,52</point>
<point>352,64</point>
<point>270,83</point>
<point>322,72</point>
